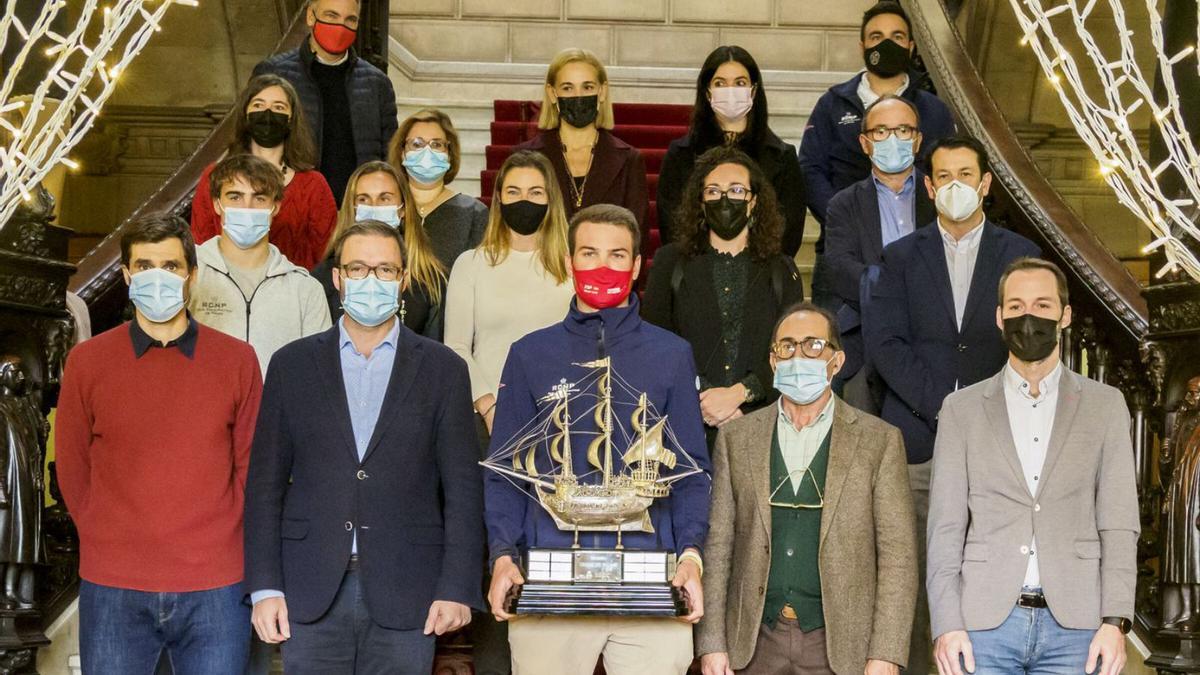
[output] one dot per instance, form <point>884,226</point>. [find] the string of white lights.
<point>42,128</point>
<point>1102,115</point>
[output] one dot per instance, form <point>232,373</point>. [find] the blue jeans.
<point>1030,641</point>
<point>345,641</point>
<point>123,632</point>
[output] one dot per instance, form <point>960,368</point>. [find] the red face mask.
<point>603,287</point>
<point>333,37</point>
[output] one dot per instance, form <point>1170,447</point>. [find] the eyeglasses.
<point>384,272</point>
<point>791,505</point>
<point>811,347</point>
<point>880,133</point>
<point>437,144</point>
<point>736,193</point>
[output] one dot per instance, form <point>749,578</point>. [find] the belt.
<point>352,564</point>
<point>788,612</point>
<point>1032,601</point>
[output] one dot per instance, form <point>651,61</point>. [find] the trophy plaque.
<point>610,498</point>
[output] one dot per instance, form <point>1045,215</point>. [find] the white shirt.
<point>960,262</point>
<point>799,446</point>
<point>1031,419</point>
<point>868,96</point>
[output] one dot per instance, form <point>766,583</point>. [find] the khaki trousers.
<point>552,645</point>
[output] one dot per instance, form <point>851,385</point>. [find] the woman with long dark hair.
<point>723,281</point>
<point>269,124</point>
<point>731,109</point>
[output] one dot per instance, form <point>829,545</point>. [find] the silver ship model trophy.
<point>607,495</point>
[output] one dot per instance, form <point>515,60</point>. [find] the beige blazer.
<point>868,551</point>
<point>982,517</point>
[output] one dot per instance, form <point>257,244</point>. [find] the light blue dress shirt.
<point>366,381</point>
<point>896,209</point>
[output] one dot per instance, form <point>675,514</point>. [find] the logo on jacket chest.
<point>850,118</point>
<point>214,308</point>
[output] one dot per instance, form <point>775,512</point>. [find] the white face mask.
<point>732,103</point>
<point>956,201</point>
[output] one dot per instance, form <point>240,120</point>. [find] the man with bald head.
<point>866,217</point>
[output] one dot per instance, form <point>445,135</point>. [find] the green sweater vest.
<point>795,577</point>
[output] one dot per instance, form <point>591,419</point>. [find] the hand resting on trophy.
<point>687,580</point>
<point>506,579</point>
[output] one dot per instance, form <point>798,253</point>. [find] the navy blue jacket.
<point>415,499</point>
<point>372,99</point>
<point>651,360</point>
<point>854,240</point>
<point>830,154</point>
<point>912,338</point>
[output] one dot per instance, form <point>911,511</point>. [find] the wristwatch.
<point>1125,625</point>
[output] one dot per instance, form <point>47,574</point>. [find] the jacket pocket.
<point>424,535</point>
<point>975,552</point>
<point>293,529</point>
<point>1087,549</point>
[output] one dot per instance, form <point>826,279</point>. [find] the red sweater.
<point>151,455</point>
<point>300,230</point>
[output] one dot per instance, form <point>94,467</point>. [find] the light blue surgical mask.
<point>802,380</point>
<point>384,214</point>
<point>427,165</point>
<point>370,301</point>
<point>157,294</point>
<point>246,227</point>
<point>892,155</point>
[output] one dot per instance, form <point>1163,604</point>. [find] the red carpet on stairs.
<point>649,127</point>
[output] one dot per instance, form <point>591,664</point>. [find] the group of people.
<point>282,447</point>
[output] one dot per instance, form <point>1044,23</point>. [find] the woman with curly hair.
<point>725,264</point>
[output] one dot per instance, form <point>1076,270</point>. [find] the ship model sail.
<point>605,495</point>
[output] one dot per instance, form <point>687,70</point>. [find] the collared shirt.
<point>868,96</point>
<point>799,446</point>
<point>960,262</point>
<point>366,379</point>
<point>143,342</point>
<point>1031,419</point>
<point>896,212</point>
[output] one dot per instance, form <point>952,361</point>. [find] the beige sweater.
<point>490,307</point>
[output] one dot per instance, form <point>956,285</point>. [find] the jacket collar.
<point>308,57</point>
<point>209,253</point>
<point>607,160</point>
<point>848,90</point>
<point>616,322</point>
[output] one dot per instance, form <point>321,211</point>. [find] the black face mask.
<point>1030,338</point>
<point>726,217</point>
<point>579,111</point>
<point>887,59</point>
<point>268,128</point>
<point>523,217</point>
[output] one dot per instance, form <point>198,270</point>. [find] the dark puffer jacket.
<point>372,99</point>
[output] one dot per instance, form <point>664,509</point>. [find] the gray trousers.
<point>921,649</point>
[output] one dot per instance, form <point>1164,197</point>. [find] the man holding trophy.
<point>597,497</point>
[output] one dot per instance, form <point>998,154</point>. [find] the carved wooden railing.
<point>1146,341</point>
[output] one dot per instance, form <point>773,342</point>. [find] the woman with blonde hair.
<point>376,191</point>
<point>516,281</point>
<point>591,165</point>
<point>427,151</point>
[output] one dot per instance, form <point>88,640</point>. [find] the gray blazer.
<point>868,549</point>
<point>981,514</point>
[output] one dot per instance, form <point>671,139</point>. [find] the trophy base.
<point>591,582</point>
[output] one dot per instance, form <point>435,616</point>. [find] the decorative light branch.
<point>40,130</point>
<point>1101,117</point>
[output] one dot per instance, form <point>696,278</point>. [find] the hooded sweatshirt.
<point>286,305</point>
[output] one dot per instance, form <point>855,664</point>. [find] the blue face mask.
<point>427,165</point>
<point>802,380</point>
<point>370,301</point>
<point>384,214</point>
<point>246,227</point>
<point>157,294</point>
<point>892,155</point>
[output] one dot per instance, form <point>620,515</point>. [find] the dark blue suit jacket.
<point>854,240</point>
<point>912,338</point>
<point>416,499</point>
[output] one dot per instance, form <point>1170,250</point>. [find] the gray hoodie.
<point>287,305</point>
